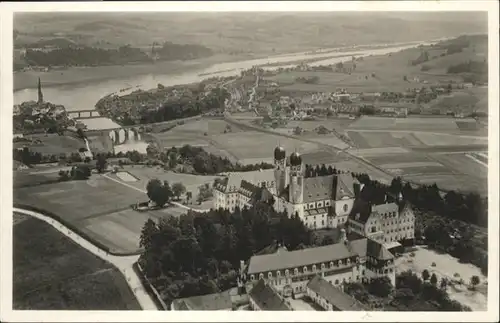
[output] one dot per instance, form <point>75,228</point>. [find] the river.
<point>85,96</point>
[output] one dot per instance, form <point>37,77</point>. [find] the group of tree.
<point>85,56</point>
<point>469,67</point>
<point>311,171</point>
<point>144,107</point>
<point>201,253</point>
<point>414,293</point>
<point>159,192</point>
<point>307,80</point>
<point>162,192</point>
<point>422,58</point>
<point>79,172</point>
<point>170,51</point>
<point>204,162</point>
<point>29,157</point>
<point>73,55</point>
<point>367,110</point>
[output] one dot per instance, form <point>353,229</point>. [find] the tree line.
<point>198,254</point>
<point>72,55</point>
<point>170,51</point>
<point>204,162</point>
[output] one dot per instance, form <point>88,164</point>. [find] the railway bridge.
<point>83,114</point>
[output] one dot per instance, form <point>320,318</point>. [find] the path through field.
<point>123,263</point>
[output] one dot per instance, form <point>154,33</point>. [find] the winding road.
<point>123,263</point>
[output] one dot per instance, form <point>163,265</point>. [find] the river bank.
<point>82,75</point>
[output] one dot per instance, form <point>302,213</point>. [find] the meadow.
<point>100,206</point>
<point>51,272</point>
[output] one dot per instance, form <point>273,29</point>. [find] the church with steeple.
<point>320,202</point>
<point>40,93</point>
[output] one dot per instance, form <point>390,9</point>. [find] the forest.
<point>75,55</point>
<point>198,254</point>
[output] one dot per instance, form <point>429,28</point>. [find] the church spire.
<point>40,94</point>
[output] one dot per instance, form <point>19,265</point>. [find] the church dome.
<point>295,159</point>
<point>279,153</point>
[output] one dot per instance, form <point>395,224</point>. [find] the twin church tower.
<point>292,177</point>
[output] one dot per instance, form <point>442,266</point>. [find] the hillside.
<point>234,33</point>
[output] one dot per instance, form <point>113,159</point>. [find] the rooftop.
<point>210,302</point>
<point>334,295</point>
<point>298,258</point>
<point>234,179</point>
<point>266,298</point>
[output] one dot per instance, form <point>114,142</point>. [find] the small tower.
<point>280,169</point>
<point>296,190</point>
<point>40,94</point>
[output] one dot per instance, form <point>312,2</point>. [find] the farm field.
<point>254,144</point>
<point>446,267</point>
<point>205,125</point>
<point>75,200</point>
<point>51,272</point>
<point>121,230</point>
<point>463,164</point>
<point>381,139</point>
<point>454,171</point>
<point>323,157</point>
<point>416,123</point>
<point>457,182</point>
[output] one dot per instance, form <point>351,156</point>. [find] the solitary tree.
<point>474,281</point>
<point>189,196</point>
<point>80,172</point>
<point>158,192</point>
<point>434,279</point>
<point>425,275</point>
<point>178,189</point>
<point>101,163</point>
<point>444,283</point>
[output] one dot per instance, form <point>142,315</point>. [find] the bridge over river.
<point>83,114</point>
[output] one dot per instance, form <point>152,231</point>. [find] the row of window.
<point>399,237</point>
<point>305,270</point>
<point>317,205</point>
<point>401,229</point>
<point>313,224</point>
<point>405,220</point>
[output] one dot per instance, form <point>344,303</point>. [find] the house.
<point>385,223</point>
<point>331,298</point>
<point>288,272</point>
<point>263,297</point>
<point>17,165</point>
<point>211,302</point>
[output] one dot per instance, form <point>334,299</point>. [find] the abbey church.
<point>321,202</point>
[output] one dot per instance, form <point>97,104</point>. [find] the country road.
<point>123,263</point>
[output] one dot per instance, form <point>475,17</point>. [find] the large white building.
<point>320,202</point>
<point>347,261</point>
<point>386,223</point>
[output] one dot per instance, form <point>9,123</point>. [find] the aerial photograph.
<point>250,161</point>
